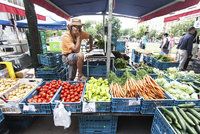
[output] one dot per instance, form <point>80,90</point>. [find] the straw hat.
<point>76,22</point>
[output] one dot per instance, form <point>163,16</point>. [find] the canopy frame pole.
<point>109,35</point>
<point>104,34</point>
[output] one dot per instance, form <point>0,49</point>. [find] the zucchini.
<point>187,119</point>
<point>195,113</point>
<point>193,118</point>
<point>197,127</point>
<point>190,130</point>
<point>179,118</point>
<point>188,105</point>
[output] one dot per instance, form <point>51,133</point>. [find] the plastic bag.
<point>61,116</point>
<point>141,58</point>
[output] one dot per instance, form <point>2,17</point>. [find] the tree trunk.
<point>34,40</point>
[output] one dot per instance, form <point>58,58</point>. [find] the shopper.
<point>194,48</point>
<point>165,45</point>
<point>71,44</point>
<point>144,40</point>
<point>185,47</point>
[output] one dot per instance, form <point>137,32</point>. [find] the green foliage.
<point>120,63</point>
<point>180,28</point>
<point>140,32</point>
<point>50,33</point>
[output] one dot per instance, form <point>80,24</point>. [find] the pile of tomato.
<point>46,92</point>
<point>71,92</point>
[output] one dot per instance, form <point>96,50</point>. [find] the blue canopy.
<point>5,22</point>
<point>44,25</point>
<point>135,8</point>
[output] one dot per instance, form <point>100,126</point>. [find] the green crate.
<point>55,46</point>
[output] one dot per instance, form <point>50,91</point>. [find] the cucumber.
<point>179,118</point>
<point>176,130</point>
<point>197,127</point>
<point>197,109</point>
<point>168,119</point>
<point>170,114</point>
<point>195,113</point>
<point>190,130</point>
<point>187,119</point>
<point>193,118</point>
<point>188,105</point>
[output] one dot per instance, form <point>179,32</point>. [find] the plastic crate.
<point>126,105</point>
<point>74,107</point>
<point>1,117</point>
<point>155,129</point>
<point>96,69</point>
<point>177,102</point>
<point>89,124</point>
<point>165,65</point>
<point>120,72</point>
<point>50,59</point>
<point>61,74</point>
<point>48,70</point>
<point>41,108</point>
<point>160,122</point>
<point>149,106</point>
<point>120,46</point>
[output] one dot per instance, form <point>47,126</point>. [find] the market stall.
<point>98,102</point>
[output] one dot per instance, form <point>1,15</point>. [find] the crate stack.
<point>51,68</point>
<point>43,41</point>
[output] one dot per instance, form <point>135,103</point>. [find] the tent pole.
<point>109,35</point>
<point>104,34</point>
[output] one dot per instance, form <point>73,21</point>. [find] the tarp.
<point>14,9</point>
<point>5,22</point>
<point>179,16</point>
<point>144,9</point>
<point>46,25</point>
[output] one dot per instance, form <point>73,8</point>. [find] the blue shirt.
<point>144,40</point>
<point>186,43</point>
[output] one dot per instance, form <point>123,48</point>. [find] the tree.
<point>33,35</point>
<point>180,28</point>
<point>127,31</point>
<point>116,26</point>
<point>141,31</point>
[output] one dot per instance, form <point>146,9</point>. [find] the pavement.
<point>45,125</point>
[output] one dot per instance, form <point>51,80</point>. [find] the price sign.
<point>29,108</point>
<point>134,102</point>
<point>89,107</point>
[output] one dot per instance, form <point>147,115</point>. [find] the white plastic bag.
<point>61,116</point>
<point>141,58</point>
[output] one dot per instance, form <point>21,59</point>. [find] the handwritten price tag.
<point>134,102</point>
<point>89,107</point>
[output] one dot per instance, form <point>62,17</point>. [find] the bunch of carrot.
<point>146,88</point>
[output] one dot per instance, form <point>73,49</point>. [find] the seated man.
<point>71,44</point>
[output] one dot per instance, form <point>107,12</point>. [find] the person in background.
<point>165,45</point>
<point>194,49</point>
<point>71,44</point>
<point>144,40</point>
<point>171,42</point>
<point>185,47</point>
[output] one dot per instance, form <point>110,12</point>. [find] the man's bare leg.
<point>80,62</point>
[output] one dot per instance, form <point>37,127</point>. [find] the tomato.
<point>72,96</point>
<point>72,100</point>
<point>76,97</point>
<point>35,97</point>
